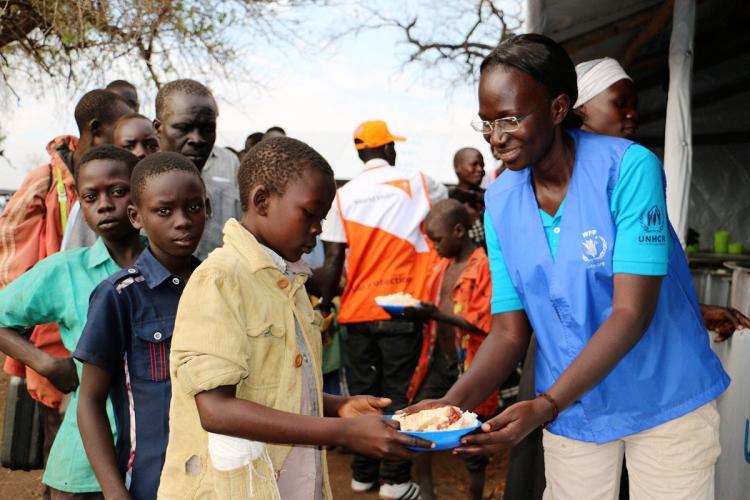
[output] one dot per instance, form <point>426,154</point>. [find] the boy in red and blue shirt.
<point>125,345</point>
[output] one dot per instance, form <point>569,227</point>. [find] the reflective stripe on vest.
<point>62,198</point>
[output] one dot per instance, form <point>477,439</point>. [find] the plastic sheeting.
<point>535,18</point>
<point>733,468</point>
<point>678,153</point>
<point>719,195</point>
<point>720,184</point>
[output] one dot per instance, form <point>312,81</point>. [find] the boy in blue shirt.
<point>57,289</point>
<point>125,344</point>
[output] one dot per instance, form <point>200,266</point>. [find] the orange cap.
<point>373,134</point>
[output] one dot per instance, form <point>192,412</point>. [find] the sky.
<point>319,95</point>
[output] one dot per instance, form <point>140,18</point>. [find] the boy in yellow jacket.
<point>248,416</point>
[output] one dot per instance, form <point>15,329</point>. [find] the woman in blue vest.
<point>583,254</point>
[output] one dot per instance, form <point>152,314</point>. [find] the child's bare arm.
<point>494,361</point>
<point>96,433</point>
<point>458,321</point>
<point>428,311</point>
<point>60,371</point>
<point>373,435</point>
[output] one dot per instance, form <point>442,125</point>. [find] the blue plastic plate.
<point>396,311</point>
<point>444,440</point>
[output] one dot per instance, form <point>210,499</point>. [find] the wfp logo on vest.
<point>402,184</point>
<point>652,221</point>
<point>594,248</point>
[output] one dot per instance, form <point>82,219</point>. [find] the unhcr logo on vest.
<point>594,248</point>
<point>652,221</point>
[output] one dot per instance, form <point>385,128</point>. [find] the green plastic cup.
<point>721,242</point>
<point>735,248</point>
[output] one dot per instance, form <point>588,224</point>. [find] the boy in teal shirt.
<point>57,289</point>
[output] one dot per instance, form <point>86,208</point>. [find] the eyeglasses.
<point>507,124</point>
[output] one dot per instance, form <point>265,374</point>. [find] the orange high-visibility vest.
<point>382,210</point>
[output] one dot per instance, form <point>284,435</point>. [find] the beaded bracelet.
<point>555,410</point>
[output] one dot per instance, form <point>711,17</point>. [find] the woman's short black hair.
<point>545,61</point>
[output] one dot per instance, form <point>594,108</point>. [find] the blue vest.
<point>670,371</point>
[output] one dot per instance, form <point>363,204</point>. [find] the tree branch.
<point>484,28</point>
<point>73,41</point>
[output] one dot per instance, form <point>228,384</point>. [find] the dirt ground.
<point>16,485</point>
<point>449,472</point>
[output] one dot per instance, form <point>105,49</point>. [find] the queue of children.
<point>32,228</point>
<point>199,352</point>
<point>122,355</point>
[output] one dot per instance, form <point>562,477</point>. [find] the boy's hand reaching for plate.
<point>506,429</point>
<point>356,406</point>
<point>377,436</point>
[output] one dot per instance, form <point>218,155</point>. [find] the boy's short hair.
<point>182,86</point>
<point>274,162</point>
<point>449,212</point>
<point>98,104</point>
<point>120,83</point>
<point>106,152</point>
<point>157,164</point>
<point>253,139</point>
<point>129,116</point>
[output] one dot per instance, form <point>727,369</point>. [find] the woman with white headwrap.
<point>607,98</point>
<point>606,104</point>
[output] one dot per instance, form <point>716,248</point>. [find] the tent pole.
<point>678,149</point>
<point>535,19</point>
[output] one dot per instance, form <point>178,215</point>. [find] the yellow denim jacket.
<point>235,325</point>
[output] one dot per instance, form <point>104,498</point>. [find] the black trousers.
<point>380,358</point>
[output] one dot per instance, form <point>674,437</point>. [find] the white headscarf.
<point>595,76</point>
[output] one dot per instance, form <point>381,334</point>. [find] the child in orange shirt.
<point>457,321</point>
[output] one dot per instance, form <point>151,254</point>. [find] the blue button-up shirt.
<point>128,333</point>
